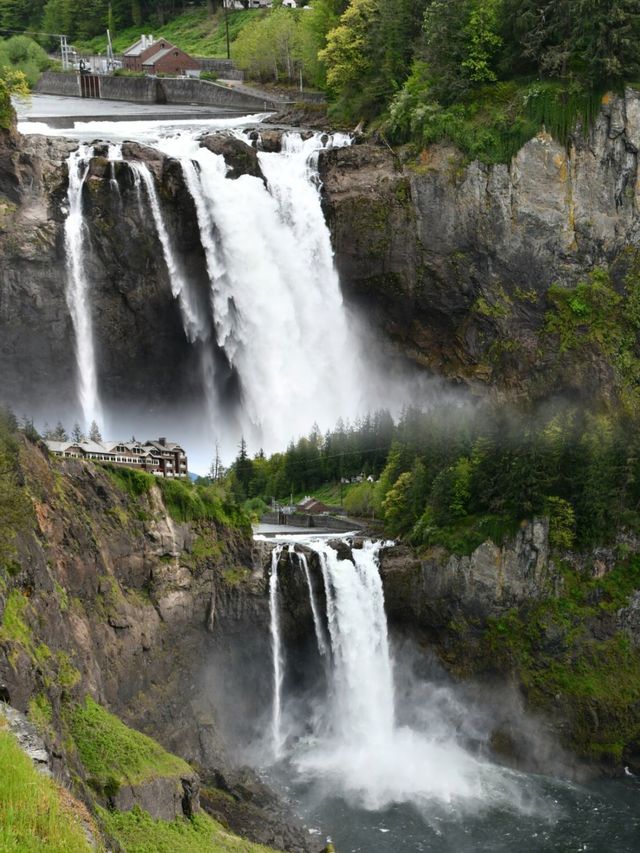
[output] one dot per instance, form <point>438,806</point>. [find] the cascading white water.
<point>288,352</point>
<point>77,291</point>
<point>359,749</point>
<point>276,655</point>
<point>196,327</point>
<point>275,295</point>
<point>317,621</point>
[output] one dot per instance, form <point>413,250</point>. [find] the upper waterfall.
<point>275,295</point>
<point>274,346</point>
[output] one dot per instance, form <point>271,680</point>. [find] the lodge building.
<point>160,457</point>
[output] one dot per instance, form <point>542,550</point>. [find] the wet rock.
<point>629,619</point>
<point>241,159</point>
<point>453,260</point>
<point>137,151</point>
<point>488,582</point>
<point>28,738</point>
<point>239,800</point>
<point>271,141</point>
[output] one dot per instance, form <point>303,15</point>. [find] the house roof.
<point>137,48</point>
<point>156,57</point>
<point>169,445</point>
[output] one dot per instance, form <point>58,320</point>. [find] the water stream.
<point>384,770</point>
<point>78,289</point>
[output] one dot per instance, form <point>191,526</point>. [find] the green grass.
<point>130,480</point>
<point>137,832</point>
<point>186,501</point>
<point>559,659</point>
<point>468,534</point>
<point>493,122</point>
<point>113,754</point>
<point>329,493</point>
<point>33,817</point>
<point>13,627</point>
<point>195,32</point>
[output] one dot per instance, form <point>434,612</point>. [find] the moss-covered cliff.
<point>522,277</point>
<point>562,626</point>
<point>112,612</point>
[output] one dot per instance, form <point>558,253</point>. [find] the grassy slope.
<point>113,753</point>
<point>33,813</point>
<point>329,493</point>
<point>139,833</point>
<point>194,32</point>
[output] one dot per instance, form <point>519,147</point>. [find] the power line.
<point>31,33</point>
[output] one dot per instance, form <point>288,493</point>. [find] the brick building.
<point>158,56</point>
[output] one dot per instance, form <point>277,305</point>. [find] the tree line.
<point>459,474</point>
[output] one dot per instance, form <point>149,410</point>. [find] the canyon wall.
<point>454,259</point>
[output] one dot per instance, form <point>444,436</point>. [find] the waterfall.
<point>195,326</point>
<point>362,671</point>
<point>358,748</point>
<point>317,621</point>
<point>275,294</point>
<point>77,291</point>
<point>114,155</point>
<point>278,349</point>
<point>276,655</point>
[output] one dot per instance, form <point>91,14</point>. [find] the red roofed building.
<point>158,56</point>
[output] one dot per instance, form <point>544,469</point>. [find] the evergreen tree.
<point>94,432</point>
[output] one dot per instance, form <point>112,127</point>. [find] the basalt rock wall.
<point>454,259</point>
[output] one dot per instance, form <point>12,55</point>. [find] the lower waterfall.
<point>361,746</point>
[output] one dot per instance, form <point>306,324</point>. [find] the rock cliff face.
<point>157,620</point>
<point>454,259</point>
<point>141,348</point>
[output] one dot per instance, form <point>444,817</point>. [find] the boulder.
<point>164,798</point>
<point>241,159</point>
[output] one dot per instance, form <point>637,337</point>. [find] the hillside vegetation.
<point>195,31</point>
<point>34,812</point>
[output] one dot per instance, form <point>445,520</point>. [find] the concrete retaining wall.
<point>56,83</point>
<point>182,90</point>
<point>157,90</point>
<point>299,519</point>
<point>139,90</point>
<point>224,68</point>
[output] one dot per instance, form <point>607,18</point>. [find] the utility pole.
<point>226,24</point>
<point>110,58</point>
<point>65,52</point>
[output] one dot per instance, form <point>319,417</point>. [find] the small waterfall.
<point>114,155</point>
<point>358,749</point>
<point>195,326</point>
<point>77,291</point>
<point>276,653</point>
<point>317,621</point>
